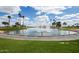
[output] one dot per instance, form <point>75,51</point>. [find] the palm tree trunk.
<point>23,22</point>
<point>9,22</point>
<point>20,21</point>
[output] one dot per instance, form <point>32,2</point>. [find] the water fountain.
<point>42,31</point>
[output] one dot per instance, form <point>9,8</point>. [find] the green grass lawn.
<point>7,45</point>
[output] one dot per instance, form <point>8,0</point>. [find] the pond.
<point>42,32</point>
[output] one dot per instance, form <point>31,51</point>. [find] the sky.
<point>40,15</point>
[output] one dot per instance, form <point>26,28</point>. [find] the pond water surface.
<point>41,32</point>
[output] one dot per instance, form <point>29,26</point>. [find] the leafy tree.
<point>64,23</point>
<point>17,24</point>
<point>5,23</point>
<point>53,23</point>
<point>58,25</point>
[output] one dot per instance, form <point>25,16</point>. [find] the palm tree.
<point>9,17</point>
<point>20,16</point>
<point>23,20</point>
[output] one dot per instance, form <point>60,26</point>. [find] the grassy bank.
<point>70,28</point>
<point>7,45</point>
<point>12,28</point>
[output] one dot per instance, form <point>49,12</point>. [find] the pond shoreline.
<point>53,38</point>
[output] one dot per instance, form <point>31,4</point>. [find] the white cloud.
<point>38,13</point>
<point>70,19</point>
<point>50,9</point>
<point>4,18</point>
<point>69,16</point>
<point>42,20</point>
<point>10,9</point>
<point>26,20</point>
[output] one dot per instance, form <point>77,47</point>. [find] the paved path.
<point>54,38</point>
